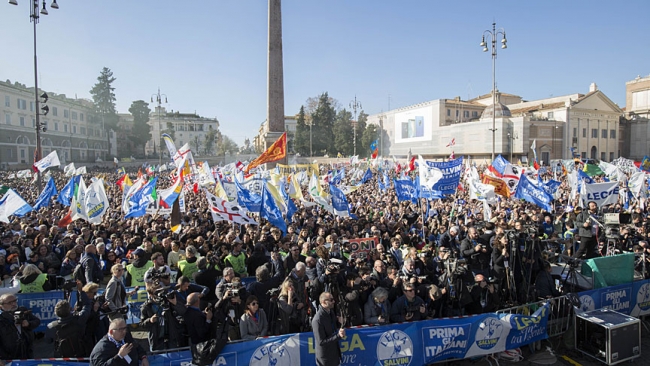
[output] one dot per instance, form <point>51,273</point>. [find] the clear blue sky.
<point>210,56</point>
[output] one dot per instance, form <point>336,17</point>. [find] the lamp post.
<point>311,152</point>
<point>381,135</point>
<point>354,105</point>
<point>492,36</point>
<point>34,16</point>
<point>553,148</point>
<point>512,137</point>
<point>159,101</point>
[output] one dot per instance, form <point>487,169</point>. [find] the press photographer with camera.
<point>159,273</point>
<point>69,329</point>
<point>485,297</point>
<point>17,326</point>
<point>477,254</point>
<point>376,310</point>
<point>229,309</point>
<point>353,298</point>
<point>408,307</point>
<point>161,316</point>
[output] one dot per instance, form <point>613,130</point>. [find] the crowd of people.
<point>426,263</point>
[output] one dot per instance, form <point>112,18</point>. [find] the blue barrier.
<point>400,344</point>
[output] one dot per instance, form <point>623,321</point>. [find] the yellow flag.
<point>219,191</point>
<point>294,188</point>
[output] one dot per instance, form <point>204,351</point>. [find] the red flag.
<point>275,152</point>
<point>451,143</point>
<point>412,164</point>
<point>195,188</point>
<point>36,158</point>
<point>535,165</point>
<point>66,220</point>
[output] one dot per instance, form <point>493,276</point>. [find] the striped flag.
<point>451,143</point>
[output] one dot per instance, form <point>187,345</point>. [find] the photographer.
<point>449,240</point>
<point>408,307</point>
<point>69,329</point>
<point>485,298</point>
<point>33,280</point>
<point>160,316</point>
<point>16,329</point>
<point>197,322</point>
<point>353,299</point>
<point>544,283</point>
<point>477,254</point>
<point>160,272</point>
<point>229,310</point>
<point>207,275</point>
<point>377,309</point>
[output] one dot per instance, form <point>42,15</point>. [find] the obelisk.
<point>275,74</point>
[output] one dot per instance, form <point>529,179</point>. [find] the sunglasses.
<point>254,303</point>
<point>411,290</point>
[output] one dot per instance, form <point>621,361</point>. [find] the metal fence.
<point>559,320</point>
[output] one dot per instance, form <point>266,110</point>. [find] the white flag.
<point>52,159</point>
<point>81,170</point>
<point>69,170</point>
<point>96,203</point>
<point>78,204</point>
<point>13,204</point>
<point>534,145</point>
<point>205,175</point>
<point>115,160</point>
<point>223,210</point>
<point>429,175</point>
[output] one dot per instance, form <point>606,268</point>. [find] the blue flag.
<point>406,190</point>
<point>44,198</point>
<point>583,176</point>
<point>339,202</point>
<point>251,201</point>
<point>141,199</point>
<point>499,164</point>
<point>366,177</point>
<point>551,186</point>
<point>291,207</point>
<point>382,185</point>
<point>270,211</point>
<point>529,191</point>
<point>65,196</point>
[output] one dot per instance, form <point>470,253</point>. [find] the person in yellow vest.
<point>237,259</point>
<point>136,270</point>
<point>188,266</point>
<point>33,280</point>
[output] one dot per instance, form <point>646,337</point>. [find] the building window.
<point>10,152</point>
<point>56,126</point>
<point>74,129</point>
<point>33,122</point>
<point>474,114</point>
<point>583,154</point>
<point>8,101</point>
<point>612,135</point>
<point>603,134</point>
<point>66,113</point>
<point>584,132</point>
<point>611,156</point>
<point>31,106</point>
<point>549,115</point>
<point>81,116</point>
<point>457,113</point>
<point>466,114</point>
<point>602,156</point>
<point>22,121</point>
<point>74,115</point>
<point>82,130</point>
<point>575,132</point>
<point>448,110</point>
<point>22,154</point>
<point>22,104</point>
<point>55,112</point>
<point>594,132</point>
<point>65,127</point>
<point>8,118</point>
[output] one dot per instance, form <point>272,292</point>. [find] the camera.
<point>274,292</point>
<point>163,295</point>
<point>20,315</point>
<point>334,265</point>
<point>233,288</point>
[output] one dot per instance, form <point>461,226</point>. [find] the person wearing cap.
<point>136,270</point>
<point>237,259</point>
<point>188,266</point>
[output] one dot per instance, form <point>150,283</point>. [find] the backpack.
<point>67,340</point>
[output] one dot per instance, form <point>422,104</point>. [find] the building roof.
<point>537,107</point>
<point>489,95</point>
<point>501,111</point>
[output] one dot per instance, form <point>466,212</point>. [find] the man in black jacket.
<point>449,241</point>
<point>159,318</point>
<point>118,348</point>
<point>197,321</point>
<point>477,254</point>
<point>70,328</point>
<point>16,336</point>
<point>327,333</point>
<point>587,231</point>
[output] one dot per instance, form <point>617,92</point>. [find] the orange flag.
<point>500,186</point>
<point>275,152</point>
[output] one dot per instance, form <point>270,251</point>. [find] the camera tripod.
<point>570,282</point>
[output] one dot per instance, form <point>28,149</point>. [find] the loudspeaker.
<point>608,336</point>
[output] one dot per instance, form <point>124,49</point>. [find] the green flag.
<point>4,189</point>
<point>592,170</point>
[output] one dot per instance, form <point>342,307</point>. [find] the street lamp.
<point>512,137</point>
<point>354,105</point>
<point>555,127</point>
<point>159,101</point>
<point>492,36</point>
<point>33,17</point>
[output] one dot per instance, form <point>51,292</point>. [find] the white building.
<point>188,128</point>
<point>637,110</point>
<point>71,129</point>
<point>587,122</point>
<point>290,123</point>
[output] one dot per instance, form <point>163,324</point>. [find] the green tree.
<point>227,146</point>
<point>210,138</point>
<point>103,94</point>
<point>362,119</point>
<point>343,133</point>
<point>141,132</point>
<point>323,126</point>
<point>301,140</point>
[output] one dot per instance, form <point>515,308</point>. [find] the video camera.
<point>274,292</point>
<point>60,283</point>
<point>334,265</point>
<point>156,276</point>
<point>163,295</point>
<point>20,315</point>
<point>234,288</point>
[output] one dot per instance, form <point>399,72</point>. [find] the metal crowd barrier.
<point>560,318</point>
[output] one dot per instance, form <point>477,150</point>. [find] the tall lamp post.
<point>354,105</point>
<point>158,97</point>
<point>492,36</point>
<point>34,15</point>
<point>512,137</point>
